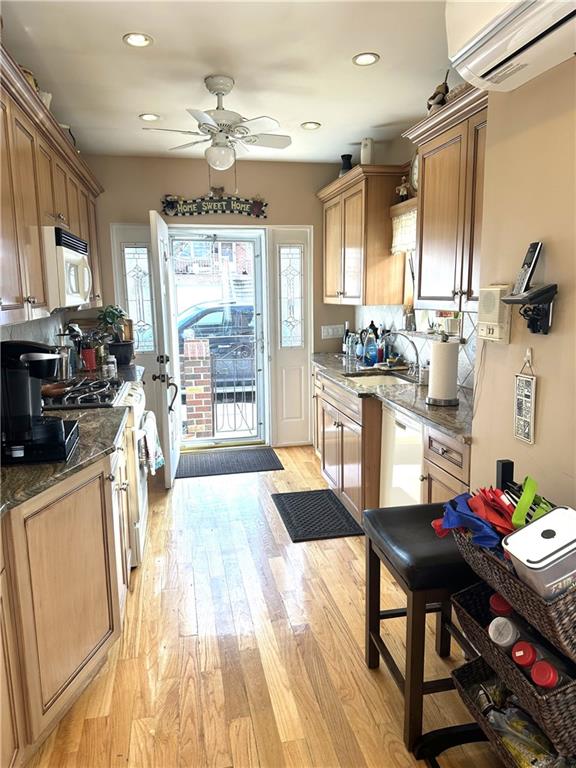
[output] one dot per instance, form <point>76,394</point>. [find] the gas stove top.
<point>86,393</point>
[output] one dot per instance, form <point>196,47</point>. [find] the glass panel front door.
<point>218,296</point>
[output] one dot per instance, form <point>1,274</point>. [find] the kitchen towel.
<point>154,455</point>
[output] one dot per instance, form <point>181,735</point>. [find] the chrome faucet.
<point>413,368</point>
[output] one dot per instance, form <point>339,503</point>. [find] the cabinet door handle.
<point>31,299</point>
<point>423,477</point>
<point>60,217</point>
<point>111,478</point>
<point>97,296</point>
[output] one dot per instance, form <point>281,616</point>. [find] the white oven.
<point>133,397</point>
<point>68,275</point>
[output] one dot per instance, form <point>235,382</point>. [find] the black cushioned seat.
<point>406,537</point>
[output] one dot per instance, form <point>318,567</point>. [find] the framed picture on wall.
<point>524,407</point>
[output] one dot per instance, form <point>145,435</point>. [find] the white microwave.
<point>68,275</point>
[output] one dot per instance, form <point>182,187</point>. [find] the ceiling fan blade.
<point>173,130</point>
<point>262,123</point>
<point>191,144</point>
<point>203,119</point>
<point>240,148</point>
<point>272,140</point>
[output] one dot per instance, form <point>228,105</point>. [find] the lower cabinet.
<point>349,447</point>
<point>63,572</point>
<point>11,729</point>
<point>445,467</point>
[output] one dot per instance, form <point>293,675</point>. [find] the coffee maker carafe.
<point>27,436</point>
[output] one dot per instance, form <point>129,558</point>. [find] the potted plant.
<point>111,321</point>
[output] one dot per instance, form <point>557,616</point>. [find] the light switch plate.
<point>332,331</point>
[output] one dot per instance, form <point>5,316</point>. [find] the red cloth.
<point>486,509</point>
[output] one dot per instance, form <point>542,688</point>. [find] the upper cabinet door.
<point>12,307</point>
<point>94,253</point>
<point>73,206</point>
<point>44,166</point>
<point>332,251</point>
<point>60,180</point>
<point>27,209</point>
<point>353,244</point>
<point>441,207</point>
<point>474,203</point>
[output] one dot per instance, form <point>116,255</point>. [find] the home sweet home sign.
<point>208,205</point>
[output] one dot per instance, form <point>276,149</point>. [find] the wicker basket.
<point>555,619</point>
<point>555,710</point>
<point>465,677</point>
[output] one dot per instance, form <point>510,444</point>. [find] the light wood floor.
<point>243,649</point>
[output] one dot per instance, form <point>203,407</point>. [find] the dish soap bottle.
<point>370,349</point>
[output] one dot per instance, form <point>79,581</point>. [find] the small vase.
<point>346,164</point>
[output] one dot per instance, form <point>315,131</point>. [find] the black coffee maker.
<point>27,436</point>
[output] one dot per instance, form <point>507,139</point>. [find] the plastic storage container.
<point>544,552</point>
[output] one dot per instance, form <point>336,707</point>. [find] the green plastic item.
<point>529,488</point>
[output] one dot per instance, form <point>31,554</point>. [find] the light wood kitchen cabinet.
<point>44,183</point>
<point>45,168</point>
<point>13,308</point>
<point>28,221</point>
<point>60,180</point>
<point>73,205</point>
<point>64,579</point>
<point>451,148</point>
<point>349,444</point>
<point>11,728</point>
<point>358,265</point>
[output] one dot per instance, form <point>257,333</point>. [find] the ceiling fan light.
<point>220,158</point>
<point>138,39</point>
<point>365,59</point>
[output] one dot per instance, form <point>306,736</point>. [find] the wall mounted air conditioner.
<point>519,43</point>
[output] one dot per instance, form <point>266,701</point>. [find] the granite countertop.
<point>99,428</point>
<point>401,395</point>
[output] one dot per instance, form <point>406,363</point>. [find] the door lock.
<point>159,377</point>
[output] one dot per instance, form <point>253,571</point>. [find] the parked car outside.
<point>229,328</point>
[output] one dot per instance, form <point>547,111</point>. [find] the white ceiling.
<point>290,60</point>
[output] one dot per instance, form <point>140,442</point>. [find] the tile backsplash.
<point>393,319</point>
<point>43,330</point>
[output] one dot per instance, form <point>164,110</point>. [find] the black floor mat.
<point>311,515</point>
<point>227,461</point>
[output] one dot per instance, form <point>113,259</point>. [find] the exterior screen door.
<point>167,375</point>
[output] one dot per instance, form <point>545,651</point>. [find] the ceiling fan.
<point>228,131</point>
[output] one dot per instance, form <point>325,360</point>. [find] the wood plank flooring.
<point>241,649</point>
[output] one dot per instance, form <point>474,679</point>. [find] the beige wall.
<point>135,185</point>
<point>529,195</point>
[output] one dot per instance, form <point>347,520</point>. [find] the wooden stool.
<point>429,570</point>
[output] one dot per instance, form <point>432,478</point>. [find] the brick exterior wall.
<point>196,378</point>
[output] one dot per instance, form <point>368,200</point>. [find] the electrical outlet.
<point>332,331</point>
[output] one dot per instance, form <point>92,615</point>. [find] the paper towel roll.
<point>443,384</point>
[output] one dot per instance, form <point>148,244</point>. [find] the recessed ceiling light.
<point>365,59</point>
<point>310,125</point>
<point>149,117</point>
<point>138,39</point>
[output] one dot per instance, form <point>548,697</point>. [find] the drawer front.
<point>349,404</point>
<point>448,453</point>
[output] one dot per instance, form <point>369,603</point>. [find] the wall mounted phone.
<point>535,303</point>
<point>527,269</point>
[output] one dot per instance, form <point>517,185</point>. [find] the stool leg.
<point>372,609</point>
<point>443,637</point>
<point>414,685</point>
